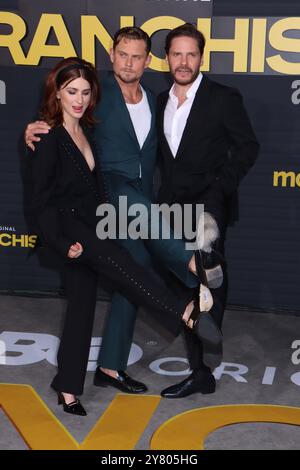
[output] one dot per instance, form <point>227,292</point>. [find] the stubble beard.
<point>186,81</point>
<point>127,79</point>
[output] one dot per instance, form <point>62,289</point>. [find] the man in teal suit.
<point>127,145</point>
<point>125,156</point>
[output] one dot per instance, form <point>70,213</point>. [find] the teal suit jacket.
<point>117,144</point>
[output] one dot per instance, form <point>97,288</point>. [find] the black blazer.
<point>218,143</point>
<point>62,182</point>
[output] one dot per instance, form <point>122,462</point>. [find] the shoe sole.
<point>203,392</point>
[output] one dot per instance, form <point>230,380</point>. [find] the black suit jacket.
<point>61,182</point>
<point>218,143</point>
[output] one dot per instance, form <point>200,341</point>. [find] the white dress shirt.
<point>140,115</point>
<point>175,118</point>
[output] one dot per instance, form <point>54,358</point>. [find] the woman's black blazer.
<point>62,182</point>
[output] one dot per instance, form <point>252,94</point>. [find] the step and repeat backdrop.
<point>254,46</point>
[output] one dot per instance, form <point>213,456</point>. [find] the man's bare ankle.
<point>111,372</point>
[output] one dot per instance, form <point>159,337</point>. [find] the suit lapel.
<point>195,119</point>
<point>99,175</point>
<point>125,116</point>
<point>153,125</point>
<point>78,159</point>
<point>160,118</point>
<point>197,116</point>
<point>123,111</point>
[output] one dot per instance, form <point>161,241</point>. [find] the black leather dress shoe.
<point>192,384</point>
<point>123,382</point>
<point>209,267</point>
<point>212,259</point>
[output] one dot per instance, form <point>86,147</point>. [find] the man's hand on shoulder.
<point>37,127</point>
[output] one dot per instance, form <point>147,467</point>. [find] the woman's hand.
<point>75,250</point>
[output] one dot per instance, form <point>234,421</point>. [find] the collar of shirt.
<point>191,91</point>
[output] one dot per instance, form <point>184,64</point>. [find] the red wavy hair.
<point>61,76</point>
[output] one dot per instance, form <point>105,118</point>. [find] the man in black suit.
<point>206,146</point>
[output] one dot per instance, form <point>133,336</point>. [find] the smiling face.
<point>129,59</point>
<point>74,98</point>
<point>184,59</point>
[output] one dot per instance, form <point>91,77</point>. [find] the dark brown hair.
<point>132,32</point>
<point>63,73</point>
<point>188,30</point>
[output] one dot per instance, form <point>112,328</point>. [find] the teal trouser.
<point>120,320</point>
<point>171,254</point>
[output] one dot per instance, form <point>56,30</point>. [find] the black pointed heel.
<point>74,408</point>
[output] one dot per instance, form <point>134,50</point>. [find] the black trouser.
<point>73,353</point>
<point>109,260</point>
<point>193,344</point>
<point>214,202</point>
